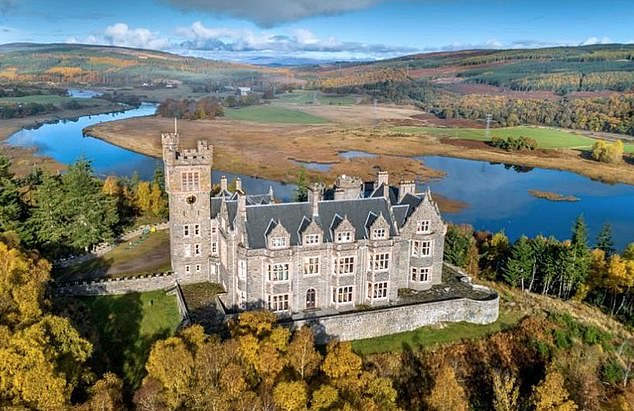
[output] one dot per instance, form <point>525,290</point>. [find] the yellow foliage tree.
<point>171,364</point>
<point>290,396</point>
<point>143,197</point>
<point>324,397</point>
<point>505,391</point>
<point>111,186</point>
<point>447,394</point>
<point>302,356</point>
<point>340,362</point>
<point>551,394</point>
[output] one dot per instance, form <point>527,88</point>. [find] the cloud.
<point>596,40</point>
<point>268,13</point>
<point>121,35</point>
<point>202,38</point>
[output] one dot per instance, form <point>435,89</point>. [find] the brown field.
<point>267,150</point>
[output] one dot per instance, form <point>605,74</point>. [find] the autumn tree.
<point>505,391</point>
<point>608,152</point>
<point>290,396</point>
<point>551,394</point>
<point>105,395</point>
<point>42,356</point>
<point>447,393</point>
<point>302,356</point>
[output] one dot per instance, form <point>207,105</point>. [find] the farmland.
<point>272,114</point>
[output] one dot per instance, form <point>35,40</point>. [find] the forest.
<point>64,214</point>
<point>548,360</point>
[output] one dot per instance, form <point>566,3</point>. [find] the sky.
<point>248,30</point>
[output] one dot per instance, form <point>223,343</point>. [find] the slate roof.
<point>263,215</point>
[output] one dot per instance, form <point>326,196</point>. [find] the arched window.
<point>311,298</point>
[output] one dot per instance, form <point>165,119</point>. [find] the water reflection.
<point>498,199</point>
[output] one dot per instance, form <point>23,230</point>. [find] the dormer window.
<point>344,237</point>
<point>279,242</point>
<point>423,227</point>
<point>312,239</point>
<point>379,234</point>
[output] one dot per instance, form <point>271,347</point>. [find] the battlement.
<point>202,154</point>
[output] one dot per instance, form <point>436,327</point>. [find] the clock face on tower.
<point>191,199</point>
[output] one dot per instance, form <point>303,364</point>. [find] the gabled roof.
<point>295,217</point>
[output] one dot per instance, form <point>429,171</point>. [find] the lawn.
<point>273,114</point>
<point>545,137</point>
<point>147,254</point>
<point>126,326</point>
<point>316,97</point>
<point>426,337</point>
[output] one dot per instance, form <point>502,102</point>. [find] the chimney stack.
<point>406,187</point>
<point>238,184</point>
<point>383,178</point>
<point>242,206</point>
<point>223,183</point>
<point>315,195</point>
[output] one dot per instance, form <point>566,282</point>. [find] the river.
<point>497,196</point>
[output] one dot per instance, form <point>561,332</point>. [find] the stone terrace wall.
<point>113,286</point>
<point>395,319</point>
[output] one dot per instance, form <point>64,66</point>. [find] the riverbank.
<point>23,159</point>
<point>248,148</point>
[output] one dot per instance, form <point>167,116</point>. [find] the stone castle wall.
<point>377,322</point>
<point>114,286</point>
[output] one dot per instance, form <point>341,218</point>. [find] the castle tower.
<point>188,185</point>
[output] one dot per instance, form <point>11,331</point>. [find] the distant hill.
<point>557,69</point>
<point>119,66</point>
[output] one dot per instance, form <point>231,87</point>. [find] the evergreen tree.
<point>457,243</point>
<point>605,241</point>
<point>521,265</point>
<point>10,204</point>
<point>301,192</point>
<point>72,212</point>
<point>580,233</point>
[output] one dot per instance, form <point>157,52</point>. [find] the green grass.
<point>426,337</point>
<point>127,326</point>
<point>313,96</point>
<point>272,114</point>
<point>545,137</point>
<point>41,99</point>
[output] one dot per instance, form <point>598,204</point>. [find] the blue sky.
<point>320,29</point>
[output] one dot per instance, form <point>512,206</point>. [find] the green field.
<point>426,337</point>
<point>39,98</point>
<point>272,114</point>
<point>127,326</point>
<point>545,137</point>
<point>316,97</point>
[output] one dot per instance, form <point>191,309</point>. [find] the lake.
<point>64,142</point>
<point>497,196</point>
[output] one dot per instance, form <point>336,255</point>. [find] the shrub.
<point>608,152</point>
<point>514,143</point>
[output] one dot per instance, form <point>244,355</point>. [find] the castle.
<point>351,245</point>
